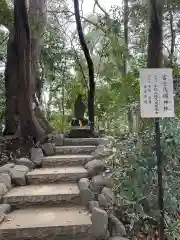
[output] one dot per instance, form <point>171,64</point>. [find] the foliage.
<point>64,75</point>
<point>135,172</point>
<point>6,15</point>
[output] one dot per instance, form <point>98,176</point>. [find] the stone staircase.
<point>49,207</point>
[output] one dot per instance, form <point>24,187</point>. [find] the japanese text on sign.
<point>156,93</point>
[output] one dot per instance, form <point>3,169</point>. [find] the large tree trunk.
<point>29,126</point>
<point>37,12</point>
<point>11,111</point>
<point>91,90</point>
<point>37,16</point>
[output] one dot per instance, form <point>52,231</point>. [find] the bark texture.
<point>173,37</point>
<point>37,16</point>
<point>155,34</point>
<point>11,111</point>
<point>29,126</point>
<point>155,41</point>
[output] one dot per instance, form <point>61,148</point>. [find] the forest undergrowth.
<point>134,167</point>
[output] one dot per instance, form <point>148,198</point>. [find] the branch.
<point>101,55</point>
<point>166,48</point>
<point>86,20</point>
<point>82,40</point>
<point>4,40</point>
<point>101,8</point>
<point>76,55</point>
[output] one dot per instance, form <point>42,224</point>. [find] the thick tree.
<point>29,126</point>
<point>11,111</point>
<point>37,15</point>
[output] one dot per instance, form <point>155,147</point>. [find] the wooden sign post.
<point>157,101</point>
<point>156,93</point>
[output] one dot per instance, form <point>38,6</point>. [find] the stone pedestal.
<point>78,131</point>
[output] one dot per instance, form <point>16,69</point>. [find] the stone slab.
<point>72,223</point>
<point>83,141</point>
<point>75,149</point>
<point>66,160</point>
<point>56,175</point>
<point>80,133</point>
<point>43,194</point>
<point>80,128</point>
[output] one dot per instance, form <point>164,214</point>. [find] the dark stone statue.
<point>80,125</point>
<point>79,108</point>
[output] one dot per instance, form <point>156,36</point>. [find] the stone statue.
<point>79,108</point>
<point>80,125</point>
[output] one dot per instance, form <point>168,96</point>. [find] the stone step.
<point>49,223</point>
<point>49,194</point>
<point>55,175</point>
<point>75,149</point>
<point>84,141</point>
<point>66,160</point>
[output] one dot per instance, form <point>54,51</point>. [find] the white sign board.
<point>156,93</point>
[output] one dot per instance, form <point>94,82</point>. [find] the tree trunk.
<point>173,36</point>
<point>126,49</point>
<point>155,35</point>
<point>155,40</point>
<point>126,40</point>
<point>37,16</point>
<point>91,90</point>
<point>29,126</point>
<point>41,119</point>
<point>11,111</point>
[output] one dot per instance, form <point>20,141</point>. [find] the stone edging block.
<point>97,195</point>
